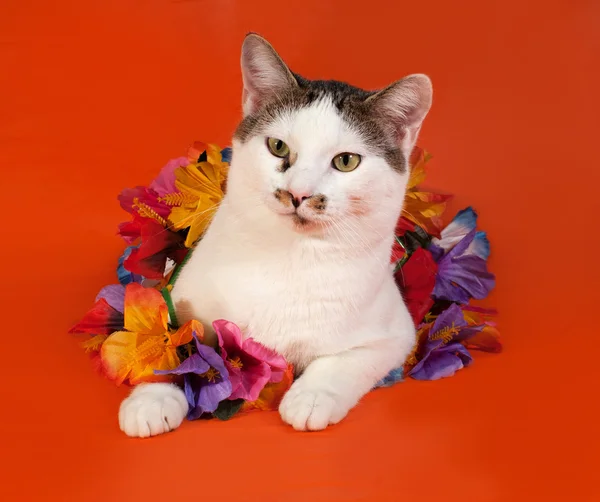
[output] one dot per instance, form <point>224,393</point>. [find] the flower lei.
<point>132,332</point>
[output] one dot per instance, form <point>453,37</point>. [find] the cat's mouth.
<point>301,223</point>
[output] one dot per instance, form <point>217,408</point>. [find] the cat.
<point>298,252</point>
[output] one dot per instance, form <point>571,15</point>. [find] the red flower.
<point>416,279</point>
<point>157,244</point>
<point>404,225</point>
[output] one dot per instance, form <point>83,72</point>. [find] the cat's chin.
<point>302,224</point>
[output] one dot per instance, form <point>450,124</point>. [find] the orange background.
<point>97,96</point>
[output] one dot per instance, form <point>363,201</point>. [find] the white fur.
<point>322,294</point>
<point>325,297</point>
<point>152,409</point>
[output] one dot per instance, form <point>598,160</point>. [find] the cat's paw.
<point>152,409</point>
<point>310,408</point>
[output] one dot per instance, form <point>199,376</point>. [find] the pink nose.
<point>299,197</point>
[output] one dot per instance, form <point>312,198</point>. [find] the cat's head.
<point>323,155</point>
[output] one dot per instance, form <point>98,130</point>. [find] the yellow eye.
<point>278,147</point>
<point>346,162</point>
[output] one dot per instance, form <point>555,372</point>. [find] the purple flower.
<point>206,380</point>
<point>250,365</point>
<point>114,294</point>
<point>443,353</point>
<point>461,275</point>
<point>464,222</point>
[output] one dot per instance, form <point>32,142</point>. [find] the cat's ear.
<point>263,71</point>
<point>402,107</point>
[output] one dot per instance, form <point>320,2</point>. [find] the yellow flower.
<point>423,208</point>
<point>146,344</point>
<point>202,185</point>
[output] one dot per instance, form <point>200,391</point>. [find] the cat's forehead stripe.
<point>349,101</point>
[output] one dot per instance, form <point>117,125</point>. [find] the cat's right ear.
<point>264,73</point>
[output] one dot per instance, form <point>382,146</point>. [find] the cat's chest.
<point>283,300</point>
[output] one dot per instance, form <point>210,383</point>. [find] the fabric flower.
<point>125,276</point>
<point>202,187</point>
<point>488,338</point>
<point>105,317</point>
<point>393,377</point>
<point>462,276</point>
<point>463,223</point>
<point>423,208</point>
<point>226,154</point>
<point>149,259</point>
<point>101,319</point>
<point>441,353</point>
<point>206,379</point>
<point>146,342</point>
<point>114,295</point>
<point>416,280</point>
<point>398,251</point>
<point>270,397</point>
<point>145,203</point>
<point>164,183</point>
<point>250,364</point>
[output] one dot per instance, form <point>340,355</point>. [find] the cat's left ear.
<point>402,107</point>
<point>264,73</point>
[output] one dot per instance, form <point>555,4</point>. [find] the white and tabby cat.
<point>298,253</point>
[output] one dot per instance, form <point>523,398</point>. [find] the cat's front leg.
<point>332,385</point>
<point>151,409</point>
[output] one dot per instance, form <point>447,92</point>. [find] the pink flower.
<point>251,365</point>
<point>165,182</point>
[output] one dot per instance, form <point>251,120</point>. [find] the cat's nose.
<point>298,198</point>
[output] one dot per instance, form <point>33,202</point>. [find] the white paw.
<point>152,409</point>
<point>311,408</point>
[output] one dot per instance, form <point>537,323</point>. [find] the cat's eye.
<point>278,147</point>
<point>346,162</point>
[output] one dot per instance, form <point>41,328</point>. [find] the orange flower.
<point>423,208</point>
<point>146,344</point>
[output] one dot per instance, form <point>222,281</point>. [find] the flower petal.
<point>393,377</point>
<point>150,257</point>
<point>229,336</point>
<point>273,393</point>
<point>275,361</point>
<point>212,358</point>
<point>124,275</point>
<point>164,183</point>
<point>463,223</point>
<point>114,294</point>
<point>102,319</point>
<point>252,382</point>
<point>143,202</point>
<point>443,363</point>
<point>193,364</point>
<point>479,247</point>
<point>417,279</point>
<point>211,395</point>
<point>145,310</point>
<point>186,333</point>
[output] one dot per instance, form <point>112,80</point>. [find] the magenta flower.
<point>144,202</point>
<point>250,365</point>
<point>165,181</point>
